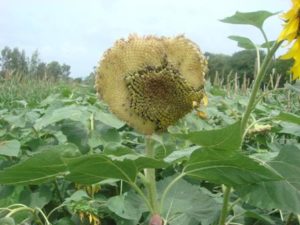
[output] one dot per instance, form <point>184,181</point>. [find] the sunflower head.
<point>151,82</point>
<point>291,33</point>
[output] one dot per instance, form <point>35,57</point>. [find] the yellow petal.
<point>204,100</point>
<point>291,14</point>
<point>293,52</point>
<point>296,3</point>
<point>290,30</point>
<point>296,70</point>
<point>81,216</point>
<point>202,115</point>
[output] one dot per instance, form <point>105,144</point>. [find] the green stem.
<point>150,176</point>
<point>224,212</point>
<point>19,210</point>
<point>257,61</point>
<point>44,216</point>
<point>143,179</point>
<point>60,197</point>
<point>261,73</point>
<point>266,39</point>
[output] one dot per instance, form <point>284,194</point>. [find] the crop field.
<point>159,133</point>
<point>66,159</point>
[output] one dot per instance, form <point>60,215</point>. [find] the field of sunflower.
<point>161,146</point>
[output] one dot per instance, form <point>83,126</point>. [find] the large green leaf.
<point>283,194</point>
<point>288,117</point>
<point>230,168</point>
<point>290,128</point>
<point>243,42</point>
<point>128,206</point>
<point>182,207</point>
<point>90,169</point>
<point>179,155</point>
<point>227,138</point>
<point>142,162</point>
<point>10,148</point>
<point>72,112</point>
<point>109,119</point>
<point>38,198</point>
<point>15,120</point>
<point>39,168</point>
<point>256,19</point>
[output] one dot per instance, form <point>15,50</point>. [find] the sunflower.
<point>151,82</point>
<point>291,33</point>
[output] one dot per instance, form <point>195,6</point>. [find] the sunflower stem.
<point>225,207</point>
<point>266,39</point>
<point>150,176</point>
<point>257,82</point>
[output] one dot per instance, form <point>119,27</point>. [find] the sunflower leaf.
<point>230,168</point>
<point>256,18</point>
<point>41,167</point>
<point>227,138</point>
<point>243,42</point>
<point>283,194</point>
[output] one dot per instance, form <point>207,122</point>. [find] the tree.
<point>41,71</point>
<point>34,63</point>
<point>13,62</point>
<point>65,69</point>
<point>218,63</point>
<point>53,70</point>
<point>245,62</point>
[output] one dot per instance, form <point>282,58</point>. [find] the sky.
<point>77,32</point>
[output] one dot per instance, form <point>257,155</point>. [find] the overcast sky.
<point>77,32</point>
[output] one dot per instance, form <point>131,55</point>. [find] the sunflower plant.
<point>159,169</point>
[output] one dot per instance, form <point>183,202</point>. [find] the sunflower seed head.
<point>151,82</point>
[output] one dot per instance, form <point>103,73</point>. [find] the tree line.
<point>244,64</point>
<point>15,63</point>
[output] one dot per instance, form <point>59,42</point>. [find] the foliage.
<point>244,63</point>
<point>15,63</point>
<point>67,160</point>
<point>68,139</point>
<point>17,92</point>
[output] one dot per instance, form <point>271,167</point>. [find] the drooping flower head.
<point>291,33</point>
<point>151,82</point>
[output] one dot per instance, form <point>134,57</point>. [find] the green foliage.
<point>15,63</point>
<point>256,19</point>
<point>227,138</point>
<point>180,206</point>
<point>22,93</point>
<point>66,160</point>
<point>244,62</point>
<point>218,63</point>
<point>72,138</point>
<point>283,194</point>
<point>243,42</point>
<point>10,148</point>
<point>232,169</point>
